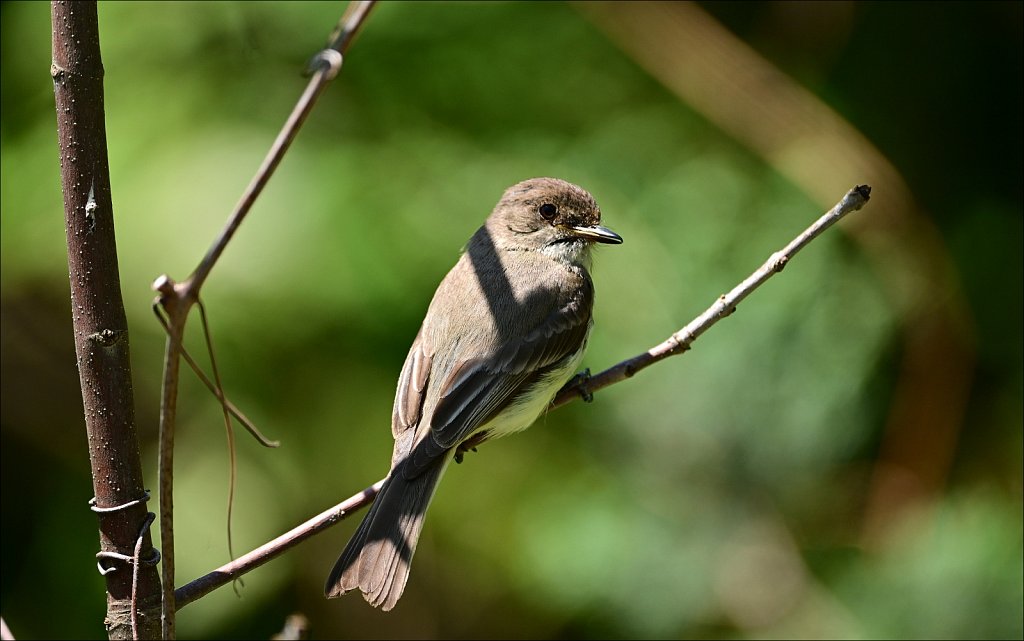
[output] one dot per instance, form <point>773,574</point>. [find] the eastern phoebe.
<point>506,329</point>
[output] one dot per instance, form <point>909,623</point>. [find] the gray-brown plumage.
<point>506,329</point>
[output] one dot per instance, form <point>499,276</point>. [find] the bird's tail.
<point>378,557</point>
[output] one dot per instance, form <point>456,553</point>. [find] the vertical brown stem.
<point>177,314</point>
<point>101,331</point>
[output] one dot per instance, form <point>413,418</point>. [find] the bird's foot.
<point>580,383</point>
<point>469,445</point>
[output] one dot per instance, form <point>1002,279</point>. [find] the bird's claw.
<point>580,383</point>
<point>469,445</point>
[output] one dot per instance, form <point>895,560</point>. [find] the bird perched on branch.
<point>506,329</point>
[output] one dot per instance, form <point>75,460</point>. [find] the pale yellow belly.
<point>524,411</point>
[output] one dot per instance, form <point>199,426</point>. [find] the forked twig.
<point>177,299</point>
<point>201,375</point>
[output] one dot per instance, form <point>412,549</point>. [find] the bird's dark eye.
<point>548,211</point>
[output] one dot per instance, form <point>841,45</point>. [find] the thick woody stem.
<point>100,326</point>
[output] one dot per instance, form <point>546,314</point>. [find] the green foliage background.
<point>719,494</point>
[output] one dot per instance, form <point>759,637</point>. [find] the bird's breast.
<point>533,401</point>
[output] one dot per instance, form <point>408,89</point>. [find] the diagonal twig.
<point>201,375</point>
<point>177,299</point>
<point>231,571</point>
<point>678,343</point>
<point>725,305</point>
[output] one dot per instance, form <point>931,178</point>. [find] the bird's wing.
<point>412,386</point>
<point>478,388</point>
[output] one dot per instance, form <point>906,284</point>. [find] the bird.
<point>506,329</point>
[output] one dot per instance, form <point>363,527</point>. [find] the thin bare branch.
<point>676,344</point>
<point>231,571</point>
<point>237,413</point>
<point>177,299</point>
<point>228,429</point>
<point>176,313</point>
<point>326,68</point>
<point>349,25</point>
<point>726,304</point>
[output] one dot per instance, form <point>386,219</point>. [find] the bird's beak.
<point>598,234</point>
